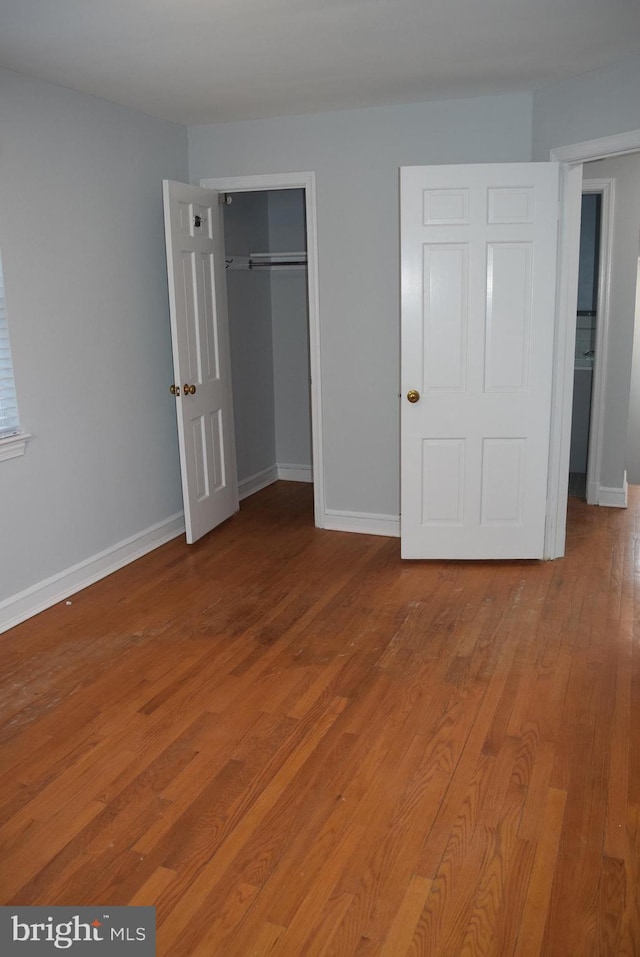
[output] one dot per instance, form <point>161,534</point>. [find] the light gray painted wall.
<point>633,435</point>
<point>246,224</point>
<point>291,367</point>
<point>81,233</point>
<point>589,237</point>
<point>582,382</point>
<point>626,172</point>
<point>290,322</point>
<point>287,220</point>
<point>595,104</point>
<point>356,155</point>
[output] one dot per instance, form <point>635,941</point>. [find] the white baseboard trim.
<point>258,481</point>
<point>366,523</point>
<point>295,473</point>
<point>614,497</point>
<point>288,473</point>
<point>38,597</point>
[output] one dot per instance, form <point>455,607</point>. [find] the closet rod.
<point>280,262</point>
<point>256,260</point>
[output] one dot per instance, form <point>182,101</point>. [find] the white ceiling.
<point>203,61</point>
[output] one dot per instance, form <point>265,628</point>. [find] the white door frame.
<point>605,188</point>
<point>572,158</point>
<point>306,181</point>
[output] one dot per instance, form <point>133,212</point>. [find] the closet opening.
<point>268,299</point>
<point>585,344</point>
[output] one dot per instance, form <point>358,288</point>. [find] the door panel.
<point>200,337</point>
<point>508,322</point>
<point>443,481</point>
<point>478,314</point>
<point>446,271</point>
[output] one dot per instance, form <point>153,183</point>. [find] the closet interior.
<point>267,292</point>
<point>586,319</point>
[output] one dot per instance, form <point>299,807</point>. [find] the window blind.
<point>9,423</point>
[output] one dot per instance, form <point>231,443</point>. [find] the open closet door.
<point>478,318</point>
<point>201,361</point>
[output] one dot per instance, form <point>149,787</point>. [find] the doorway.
<point>586,320</point>
<point>572,159</point>
<point>606,288</point>
<point>591,339</point>
<point>268,309</point>
<point>306,183</point>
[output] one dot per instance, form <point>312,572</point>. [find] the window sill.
<point>13,445</point>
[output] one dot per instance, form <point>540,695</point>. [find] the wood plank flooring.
<point>296,745</point>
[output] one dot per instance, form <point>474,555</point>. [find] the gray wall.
<point>287,220</point>
<point>633,434</point>
<point>589,238</point>
<point>591,105</point>
<point>356,155</point>
<point>81,233</point>
<point>290,323</point>
<point>246,229</point>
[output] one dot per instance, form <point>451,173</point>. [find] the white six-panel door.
<point>478,247</point>
<point>201,359</point>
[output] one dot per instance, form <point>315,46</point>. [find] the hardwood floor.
<point>293,743</point>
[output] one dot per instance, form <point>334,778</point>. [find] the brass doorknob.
<point>174,390</point>
<point>189,389</point>
<point>413,395</point>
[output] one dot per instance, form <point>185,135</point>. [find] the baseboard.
<point>258,481</point>
<point>288,473</point>
<point>295,473</point>
<point>38,597</point>
<point>614,497</point>
<point>365,523</point>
